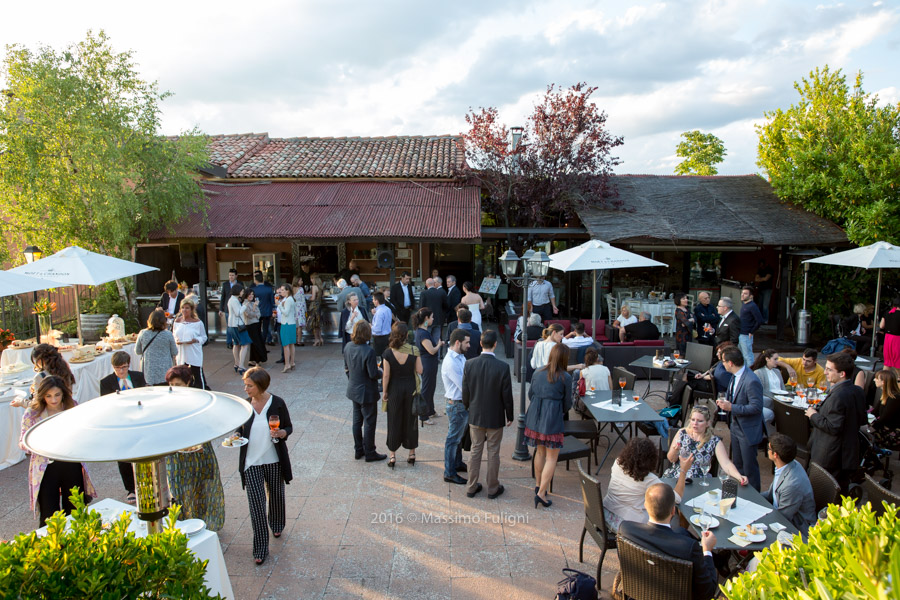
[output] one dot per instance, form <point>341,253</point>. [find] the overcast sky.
<point>391,67</point>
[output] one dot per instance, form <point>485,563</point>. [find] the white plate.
<point>761,537</point>
<point>236,443</point>
<point>695,519</point>
<point>781,392</point>
<point>191,526</point>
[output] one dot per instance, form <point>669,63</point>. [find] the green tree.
<point>836,152</point>
<point>701,153</point>
<point>81,158</point>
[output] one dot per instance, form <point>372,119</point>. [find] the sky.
<point>401,67</point>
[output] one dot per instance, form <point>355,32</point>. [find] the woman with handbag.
<point>157,348</point>
<point>400,382</point>
<point>237,329</point>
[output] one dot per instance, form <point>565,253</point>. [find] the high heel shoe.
<point>392,462</point>
<point>412,459</point>
<point>286,369</point>
<point>544,503</point>
<point>235,369</point>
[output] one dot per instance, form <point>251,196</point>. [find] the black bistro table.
<point>642,412</point>
<point>646,362</point>
<point>723,531</point>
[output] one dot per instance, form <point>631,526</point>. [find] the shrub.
<point>90,561</point>
<point>851,555</point>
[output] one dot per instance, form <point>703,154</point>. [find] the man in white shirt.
<point>577,338</point>
<point>541,299</point>
<point>457,415</point>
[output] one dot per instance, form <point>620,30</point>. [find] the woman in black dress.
<point>428,353</point>
<point>401,364</point>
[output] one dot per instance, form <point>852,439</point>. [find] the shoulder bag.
<point>419,406</point>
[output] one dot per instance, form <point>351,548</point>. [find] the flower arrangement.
<point>43,307</point>
<point>6,337</point>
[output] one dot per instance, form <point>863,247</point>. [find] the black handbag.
<point>576,586</point>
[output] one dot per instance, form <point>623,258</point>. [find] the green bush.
<point>851,555</point>
<point>106,301</point>
<point>88,561</point>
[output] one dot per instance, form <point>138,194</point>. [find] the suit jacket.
<point>795,497</point>
<point>397,297</point>
<point>436,300</point>
<point>677,543</point>
<point>747,408</point>
<point>454,297</point>
<point>278,407</point>
<point>110,383</point>
<point>834,442</point>
<point>363,373</point>
<point>474,350</point>
<point>266,296</point>
<point>487,392</point>
<point>225,295</point>
<point>342,298</point>
<point>164,302</point>
<point>730,330</point>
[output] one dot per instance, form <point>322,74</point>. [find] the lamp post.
<point>534,264</point>
<point>33,253</point>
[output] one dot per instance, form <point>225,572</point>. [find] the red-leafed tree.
<point>562,161</point>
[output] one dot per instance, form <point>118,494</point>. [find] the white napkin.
<point>744,513</point>
<point>608,405</point>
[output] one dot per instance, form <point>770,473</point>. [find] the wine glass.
<point>676,354</point>
<point>705,521</point>
<point>704,466</point>
<point>792,381</point>
<point>274,424</point>
<point>622,383</point>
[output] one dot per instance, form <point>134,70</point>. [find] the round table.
<point>10,427</point>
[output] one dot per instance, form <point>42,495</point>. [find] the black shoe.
<point>359,455</point>
<point>499,491</point>
<point>455,479</point>
<point>462,468</point>
<point>545,503</point>
<point>229,346</point>
<point>279,362</point>
<point>478,488</point>
<point>376,457</point>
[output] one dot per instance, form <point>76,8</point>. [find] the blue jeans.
<point>764,301</point>
<point>745,343</point>
<point>457,418</point>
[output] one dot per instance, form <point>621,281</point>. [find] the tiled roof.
<point>742,209</point>
<point>257,156</point>
<point>336,210</point>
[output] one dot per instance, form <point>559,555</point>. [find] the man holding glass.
<point>744,400</point>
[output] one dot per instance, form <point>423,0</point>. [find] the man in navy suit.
<point>265,293</point>
<point>658,535</point>
<point>744,399</point>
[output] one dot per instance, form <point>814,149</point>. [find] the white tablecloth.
<point>87,375</point>
<point>205,545</point>
<point>744,513</point>
<point>10,427</point>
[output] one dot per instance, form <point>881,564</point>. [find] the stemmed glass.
<point>705,521</point>
<point>622,383</point>
<point>704,466</point>
<point>676,354</point>
<point>274,424</point>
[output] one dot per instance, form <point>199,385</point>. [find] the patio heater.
<point>140,426</point>
<point>534,264</point>
<point>33,253</point>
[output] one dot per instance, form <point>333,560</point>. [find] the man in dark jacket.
<point>402,297</point>
<point>728,328</point>
<point>834,442</point>
<point>123,378</point>
<point>224,296</point>
<point>487,395</point>
<point>435,298</point>
<point>266,295</point>
<point>658,535</point>
<point>744,400</point>
<point>362,389</point>
<point>464,321</point>
<point>454,297</point>
<point>705,315</point>
<point>170,301</point>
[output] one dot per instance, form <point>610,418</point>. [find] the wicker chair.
<point>825,488</point>
<point>875,494</point>
<point>647,575</point>
<point>594,521</point>
<point>794,423</point>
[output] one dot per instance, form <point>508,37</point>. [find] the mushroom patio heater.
<point>140,426</point>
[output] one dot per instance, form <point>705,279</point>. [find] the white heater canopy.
<point>137,424</point>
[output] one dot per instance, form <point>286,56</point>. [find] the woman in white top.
<point>287,316</point>
<point>190,336</point>
<point>553,335</point>
<point>625,317</point>
<point>766,368</point>
<point>630,476</point>
<point>474,302</point>
<point>595,374</point>
<point>236,319</point>
<point>300,301</point>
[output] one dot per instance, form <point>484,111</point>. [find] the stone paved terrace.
<point>344,536</point>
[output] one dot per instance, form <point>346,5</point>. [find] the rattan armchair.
<point>876,494</point>
<point>594,520</point>
<point>825,487</point>
<point>647,575</point>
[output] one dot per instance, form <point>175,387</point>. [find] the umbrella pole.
<point>875,324</point>
<point>594,302</point>
<point>78,317</point>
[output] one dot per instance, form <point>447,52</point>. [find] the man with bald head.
<point>658,535</point>
<point>435,298</point>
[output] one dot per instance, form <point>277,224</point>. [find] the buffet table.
<point>10,427</point>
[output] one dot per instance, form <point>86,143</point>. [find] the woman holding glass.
<point>287,316</point>
<point>190,335</point>
<point>258,351</point>
<point>300,302</point>
<point>698,440</point>
<point>684,323</point>
<point>264,463</point>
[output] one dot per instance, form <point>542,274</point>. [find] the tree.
<point>837,154</point>
<point>701,151</point>
<point>562,161</point>
<point>81,159</point>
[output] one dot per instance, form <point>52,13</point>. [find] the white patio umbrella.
<point>597,255</point>
<point>880,255</point>
<point>77,266</point>
<point>12,284</point>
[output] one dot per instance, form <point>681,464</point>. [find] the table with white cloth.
<point>87,375</point>
<point>10,427</point>
<point>204,544</point>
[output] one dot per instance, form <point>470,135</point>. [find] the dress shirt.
<point>172,303</point>
<point>776,382</point>
<point>775,481</point>
<point>355,315</point>
<point>540,292</point>
<point>578,342</point>
<point>407,301</point>
<point>381,322</point>
<point>452,374</point>
<point>722,320</point>
<point>261,449</point>
<point>735,382</point>
<point>541,354</point>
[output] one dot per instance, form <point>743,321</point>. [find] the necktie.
<point>731,389</point>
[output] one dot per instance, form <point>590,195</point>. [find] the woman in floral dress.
<point>698,440</point>
<point>314,311</point>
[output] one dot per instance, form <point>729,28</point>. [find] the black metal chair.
<point>700,355</point>
<point>825,487</point>
<point>876,494</point>
<point>572,450</point>
<point>586,429</point>
<point>686,396</point>
<point>618,372</point>
<point>794,423</point>
<point>647,575</point>
<point>594,520</point>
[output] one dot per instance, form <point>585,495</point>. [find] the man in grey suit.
<point>791,493</point>
<point>487,395</point>
<point>728,328</point>
<point>744,400</point>
<point>362,389</point>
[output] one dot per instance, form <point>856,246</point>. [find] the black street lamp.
<point>33,253</point>
<point>534,264</point>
